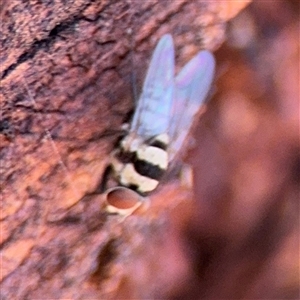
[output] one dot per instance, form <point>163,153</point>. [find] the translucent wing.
<point>153,112</point>
<point>191,87</point>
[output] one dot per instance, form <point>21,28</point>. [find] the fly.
<point>164,115</point>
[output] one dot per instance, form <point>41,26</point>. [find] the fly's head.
<point>124,202</point>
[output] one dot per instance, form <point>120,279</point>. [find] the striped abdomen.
<point>140,168</point>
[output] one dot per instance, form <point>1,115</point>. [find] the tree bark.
<point>67,71</point>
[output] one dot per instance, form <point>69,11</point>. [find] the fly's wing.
<point>153,112</point>
<point>192,85</point>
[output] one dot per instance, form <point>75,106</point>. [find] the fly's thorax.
<point>161,141</point>
<point>143,165</point>
<point>132,179</point>
<point>153,156</point>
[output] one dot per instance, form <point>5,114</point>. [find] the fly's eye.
<point>122,201</point>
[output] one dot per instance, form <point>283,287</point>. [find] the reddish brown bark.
<point>74,61</point>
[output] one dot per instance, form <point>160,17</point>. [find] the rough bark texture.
<point>66,72</point>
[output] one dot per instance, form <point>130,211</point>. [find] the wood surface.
<point>68,74</point>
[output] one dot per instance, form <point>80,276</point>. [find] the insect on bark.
<point>162,120</point>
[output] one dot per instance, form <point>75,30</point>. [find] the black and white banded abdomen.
<point>140,165</point>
